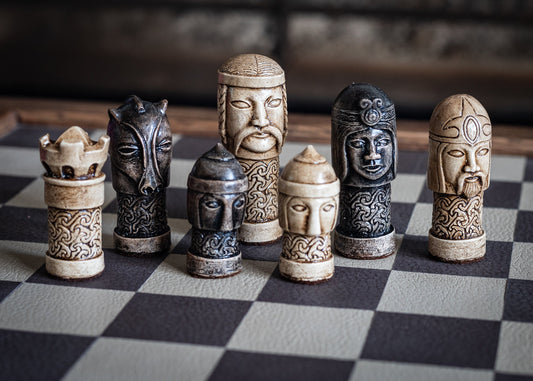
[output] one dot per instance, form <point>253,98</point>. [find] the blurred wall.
<point>418,51</point>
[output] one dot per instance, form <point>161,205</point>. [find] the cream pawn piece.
<point>458,173</point>
<point>309,202</point>
<point>74,193</point>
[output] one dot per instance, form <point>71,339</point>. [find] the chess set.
<point>254,258</point>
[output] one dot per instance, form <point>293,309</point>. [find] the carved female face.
<point>218,212</point>
<point>466,167</point>
<point>370,153</point>
<point>255,119</point>
<point>309,216</point>
<point>141,144</point>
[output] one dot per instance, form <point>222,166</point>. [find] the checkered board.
<point>406,317</point>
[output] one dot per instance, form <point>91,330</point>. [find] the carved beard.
<point>470,189</point>
<point>248,131</point>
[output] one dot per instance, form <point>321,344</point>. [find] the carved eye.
<point>383,142</point>
<point>357,143</point>
<point>164,146</point>
<point>328,207</point>
<point>299,207</point>
<point>128,149</point>
<point>212,204</point>
<point>239,203</point>
<point>456,153</point>
<point>241,104</point>
<point>483,152</point>
<point>273,103</point>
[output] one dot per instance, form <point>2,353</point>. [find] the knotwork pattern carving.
<point>456,217</point>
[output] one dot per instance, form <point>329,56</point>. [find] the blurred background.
<point>418,51</point>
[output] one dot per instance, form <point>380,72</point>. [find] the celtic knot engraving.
<point>262,203</point>
<point>456,217</point>
<point>365,212</point>
<point>304,248</point>
<point>74,234</point>
<point>141,216</point>
<point>211,244</point>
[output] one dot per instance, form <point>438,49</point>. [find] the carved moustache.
<point>247,131</point>
<point>471,188</point>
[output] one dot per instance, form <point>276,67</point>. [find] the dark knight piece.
<point>364,152</point>
<point>141,145</point>
<point>216,201</point>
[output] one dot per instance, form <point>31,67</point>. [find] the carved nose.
<point>372,153</point>
<point>313,227</point>
<point>259,118</point>
<point>227,219</point>
<point>471,163</point>
<point>148,183</point>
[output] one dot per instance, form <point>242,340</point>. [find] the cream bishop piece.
<point>458,173</point>
<point>74,193</point>
<point>252,107</point>
<point>309,201</point>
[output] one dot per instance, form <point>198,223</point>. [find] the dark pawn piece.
<point>141,145</point>
<point>216,200</point>
<point>364,151</point>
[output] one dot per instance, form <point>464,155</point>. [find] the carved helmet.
<point>216,173</point>
<point>458,119</point>
<point>358,107</point>
<point>251,70</point>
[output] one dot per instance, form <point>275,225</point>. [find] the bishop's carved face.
<point>216,212</point>
<point>141,145</point>
<point>370,153</point>
<point>309,216</point>
<point>255,121</point>
<point>466,167</point>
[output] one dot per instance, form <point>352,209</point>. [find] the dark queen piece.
<point>364,156</point>
<point>141,145</point>
<point>216,201</point>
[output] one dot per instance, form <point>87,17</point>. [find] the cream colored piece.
<point>458,173</point>
<point>309,203</point>
<point>74,193</point>
<point>252,107</point>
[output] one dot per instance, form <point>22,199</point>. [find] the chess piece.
<point>458,173</point>
<point>216,199</point>
<point>309,201</point>
<point>141,145</point>
<point>364,152</point>
<point>252,106</point>
<point>74,193</point>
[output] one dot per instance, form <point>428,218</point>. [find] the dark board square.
<point>11,185</point>
<point>432,340</point>
<point>28,136</point>
<point>529,170</point>
<point>412,162</point>
<point>524,227</point>
<point>511,377</point>
<point>266,252</point>
<point>6,287</point>
<point>177,203</point>
<point>120,273</point>
<point>502,195</point>
<point>426,195</point>
<point>413,255</point>
<point>189,147</point>
<point>400,216</point>
<point>183,246</point>
<point>349,288</point>
<point>245,366</point>
<point>518,300</point>
<point>179,319</point>
<point>25,224</point>
<point>39,356</point>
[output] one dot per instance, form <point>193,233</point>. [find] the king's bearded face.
<point>466,168</point>
<point>255,121</point>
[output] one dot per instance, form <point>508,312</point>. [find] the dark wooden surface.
<point>203,122</point>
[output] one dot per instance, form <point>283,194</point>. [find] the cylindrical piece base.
<point>213,267</point>
<point>80,269</point>
<point>457,251</point>
<point>364,248</point>
<point>142,246</point>
<point>306,272</point>
<point>260,233</point>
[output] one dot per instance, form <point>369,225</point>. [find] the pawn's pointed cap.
<point>309,167</point>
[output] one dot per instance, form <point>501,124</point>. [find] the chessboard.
<point>405,317</point>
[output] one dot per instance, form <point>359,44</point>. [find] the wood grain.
<point>203,122</point>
